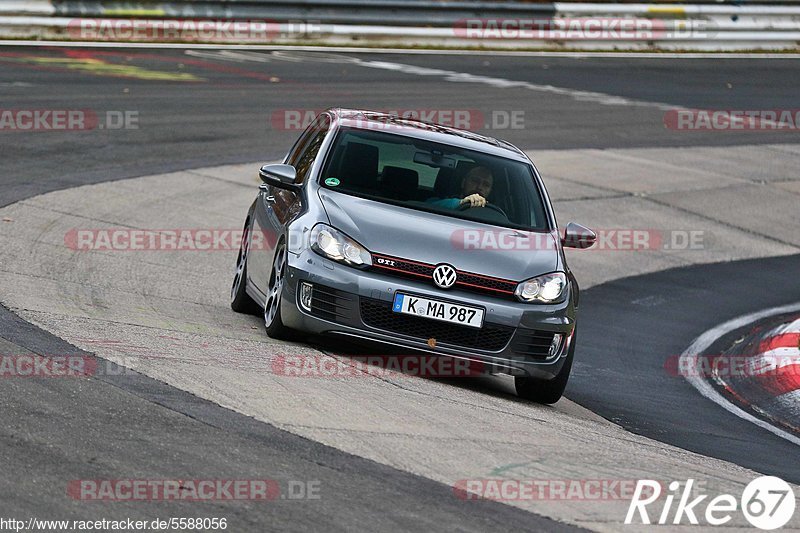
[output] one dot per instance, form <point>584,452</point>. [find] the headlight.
<point>546,289</point>
<point>335,245</point>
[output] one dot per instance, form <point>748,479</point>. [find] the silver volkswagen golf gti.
<point>418,236</point>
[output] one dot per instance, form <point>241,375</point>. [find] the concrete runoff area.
<point>166,314</point>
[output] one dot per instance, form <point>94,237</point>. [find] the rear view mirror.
<point>282,176</point>
<point>433,159</point>
<point>577,236</point>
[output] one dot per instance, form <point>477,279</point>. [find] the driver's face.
<point>478,180</point>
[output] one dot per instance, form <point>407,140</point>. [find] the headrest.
<point>359,167</point>
<point>400,183</point>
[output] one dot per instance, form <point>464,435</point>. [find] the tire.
<point>241,302</point>
<point>547,391</point>
<point>272,305</point>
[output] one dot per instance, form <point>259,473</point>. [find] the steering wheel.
<point>464,207</point>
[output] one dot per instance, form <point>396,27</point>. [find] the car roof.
<point>410,127</point>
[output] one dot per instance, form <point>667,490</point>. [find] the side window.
<point>305,151</point>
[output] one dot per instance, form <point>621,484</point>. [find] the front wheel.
<point>547,391</point>
<point>272,306</point>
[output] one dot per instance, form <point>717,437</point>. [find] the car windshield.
<point>419,174</point>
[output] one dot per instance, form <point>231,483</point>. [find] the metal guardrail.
<point>442,23</point>
<point>394,12</point>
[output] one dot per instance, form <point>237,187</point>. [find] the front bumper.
<point>357,304</point>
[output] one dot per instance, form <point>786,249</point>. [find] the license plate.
<point>446,312</point>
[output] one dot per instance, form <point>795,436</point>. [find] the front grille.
<point>379,315</point>
<point>495,285</point>
<point>332,304</point>
<point>402,267</point>
<point>532,343</point>
<point>465,280</point>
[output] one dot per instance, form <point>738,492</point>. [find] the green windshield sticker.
<point>332,182</point>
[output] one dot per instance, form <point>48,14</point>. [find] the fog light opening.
<point>306,290</point>
<point>555,345</point>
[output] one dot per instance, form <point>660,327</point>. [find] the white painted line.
<point>701,343</point>
<point>772,360</point>
<point>782,352</point>
<point>453,76</point>
<point>792,327</point>
<point>404,51</point>
<point>504,83</point>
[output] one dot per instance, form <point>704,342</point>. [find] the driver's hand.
<point>474,200</point>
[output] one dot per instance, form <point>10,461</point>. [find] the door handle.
<point>270,199</point>
<point>263,187</point>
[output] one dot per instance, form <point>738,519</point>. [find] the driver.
<point>475,188</point>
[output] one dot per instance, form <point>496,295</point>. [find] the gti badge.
<point>444,276</point>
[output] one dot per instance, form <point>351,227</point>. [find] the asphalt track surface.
<point>55,431</point>
<point>636,324</point>
<point>224,116</point>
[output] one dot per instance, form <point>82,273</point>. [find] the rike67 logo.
<point>767,503</point>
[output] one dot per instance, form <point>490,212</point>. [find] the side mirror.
<point>282,176</point>
<point>577,236</point>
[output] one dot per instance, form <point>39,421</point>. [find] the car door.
<point>276,207</point>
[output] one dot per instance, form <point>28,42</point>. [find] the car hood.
<point>431,238</point>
